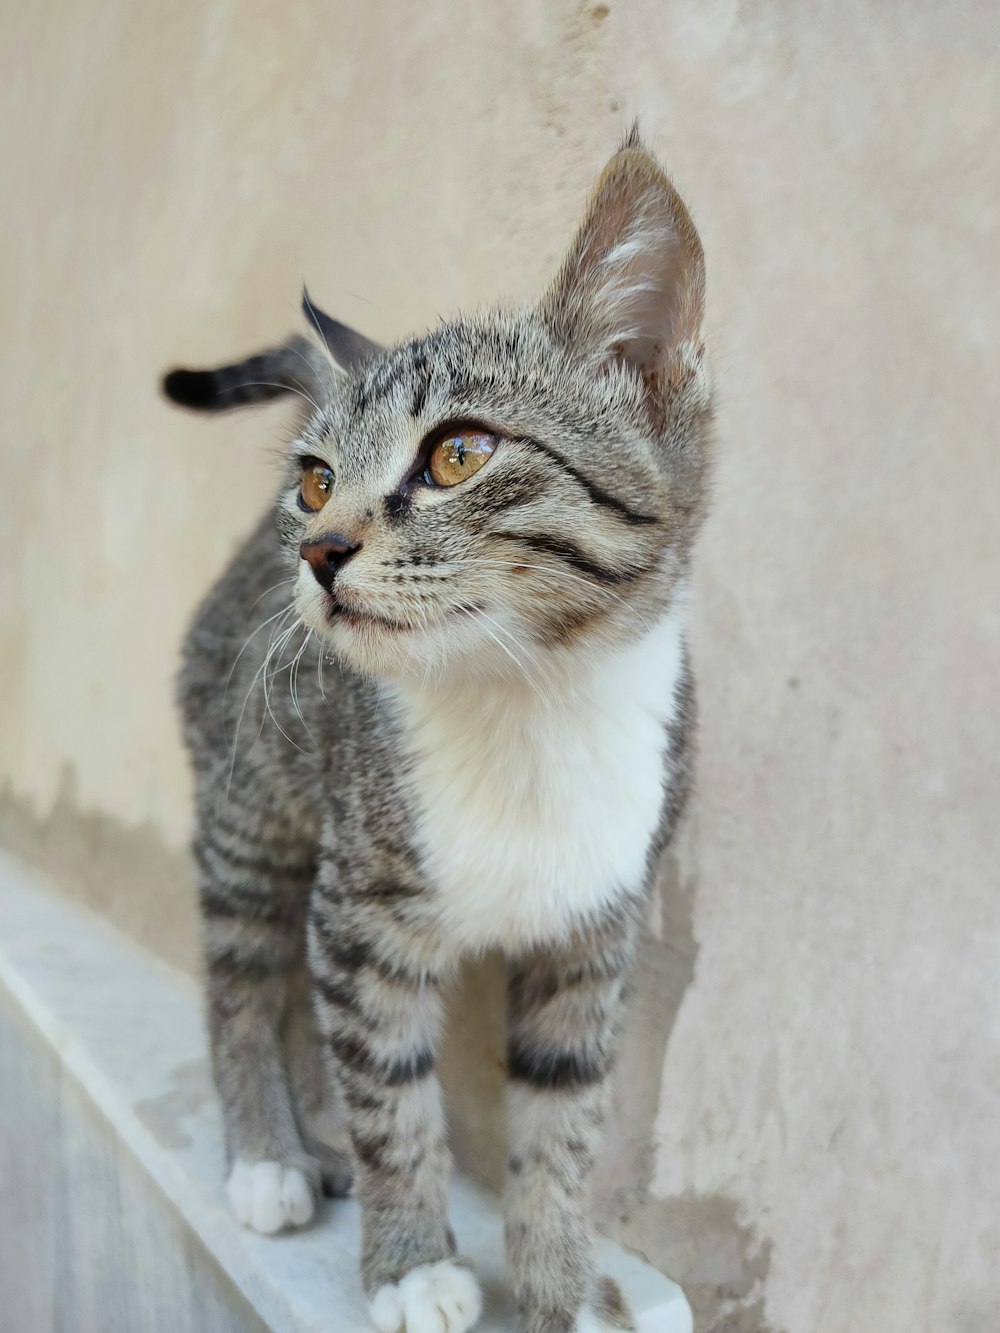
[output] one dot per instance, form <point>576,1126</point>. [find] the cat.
<point>439,703</point>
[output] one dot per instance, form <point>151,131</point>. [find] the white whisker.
<point>293,687</point>
<point>264,623</point>
<point>285,388</point>
<point>280,584</point>
<point>597,595</point>
<point>278,649</point>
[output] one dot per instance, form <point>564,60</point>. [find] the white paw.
<point>434,1298</point>
<point>268,1196</point>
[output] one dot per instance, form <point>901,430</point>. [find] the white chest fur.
<point>536,812</point>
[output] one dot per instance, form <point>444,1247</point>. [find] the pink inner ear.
<point>632,286</point>
<point>649,292</point>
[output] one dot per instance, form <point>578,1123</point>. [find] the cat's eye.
<point>458,455</point>
<point>315,486</point>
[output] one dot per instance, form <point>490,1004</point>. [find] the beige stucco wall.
<point>809,1119</point>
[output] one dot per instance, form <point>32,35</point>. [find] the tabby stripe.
<point>597,495</point>
<point>571,553</point>
<point>379,890</point>
<point>553,1069</point>
<point>253,865</point>
<point>610,1306</point>
<point>250,967</point>
<point>354,1055</point>
<point>232,904</point>
<point>209,853</point>
<point>370,1148</point>
<point>421,369</point>
<point>353,955</point>
<point>356,1021</point>
<point>362,1099</point>
<point>398,974</point>
<point>568,1170</point>
<point>339,994</point>
<point>276,838</point>
<point>411,1069</point>
<point>387,891</point>
<point>347,954</point>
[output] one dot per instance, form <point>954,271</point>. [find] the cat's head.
<point>516,488</point>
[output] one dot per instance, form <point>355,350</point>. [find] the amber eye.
<point>316,485</point>
<point>458,456</point>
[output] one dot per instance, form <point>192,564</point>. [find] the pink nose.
<point>327,554</point>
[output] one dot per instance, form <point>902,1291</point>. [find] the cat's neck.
<point>635,677</point>
<point>534,811</point>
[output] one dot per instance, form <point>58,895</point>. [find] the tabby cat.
<point>440,703</point>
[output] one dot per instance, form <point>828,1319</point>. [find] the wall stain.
<point>718,1260</point>
<point>699,1240</point>
<point>191,1090</point>
<point>473,1066</point>
<point>127,873</point>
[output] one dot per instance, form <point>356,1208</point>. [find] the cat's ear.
<point>349,349</point>
<point>632,287</point>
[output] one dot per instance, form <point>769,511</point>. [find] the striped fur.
<point>475,733</point>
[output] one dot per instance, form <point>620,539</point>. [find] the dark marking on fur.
<point>421,372</point>
<point>597,494</point>
<point>370,1149</point>
<point>397,507</point>
<point>348,954</point>
<point>341,994</point>
<point>411,1069</point>
<point>251,967</point>
<point>610,1306</point>
<point>569,552</point>
<point>247,905</point>
<point>253,862</point>
<point>355,1055</point>
<point>557,1070</point>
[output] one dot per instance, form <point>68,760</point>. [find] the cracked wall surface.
<point>806,1125</point>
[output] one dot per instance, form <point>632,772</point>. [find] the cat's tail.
<point>297,366</point>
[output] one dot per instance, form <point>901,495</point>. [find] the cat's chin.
<point>379,645</point>
<point>364,622</point>
<point>375,645</point>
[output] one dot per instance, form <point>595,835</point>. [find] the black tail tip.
<point>191,388</point>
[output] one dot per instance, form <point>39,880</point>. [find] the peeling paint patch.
<point>720,1261</point>
<point>699,1240</point>
<point>126,873</point>
<point>665,970</point>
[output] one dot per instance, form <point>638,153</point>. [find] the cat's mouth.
<point>340,612</point>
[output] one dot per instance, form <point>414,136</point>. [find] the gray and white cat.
<point>440,703</point>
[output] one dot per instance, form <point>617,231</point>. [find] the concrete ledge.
<point>129,1031</point>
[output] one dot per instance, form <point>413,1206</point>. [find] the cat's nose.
<point>327,554</point>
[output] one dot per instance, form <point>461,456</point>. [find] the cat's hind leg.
<point>254,878</point>
<point>318,1103</point>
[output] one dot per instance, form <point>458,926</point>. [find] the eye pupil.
<point>458,456</point>
<point>315,485</point>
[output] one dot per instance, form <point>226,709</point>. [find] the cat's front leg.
<point>564,1006</point>
<point>379,1001</point>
